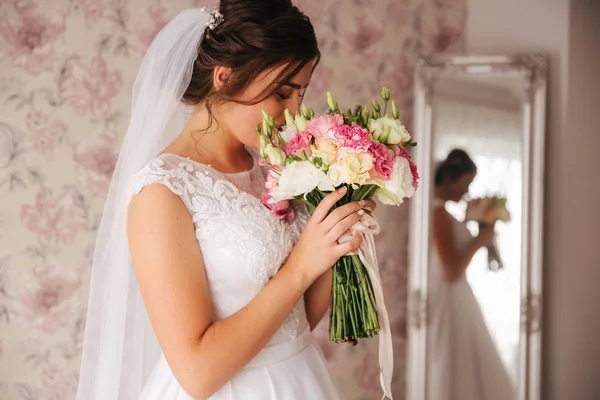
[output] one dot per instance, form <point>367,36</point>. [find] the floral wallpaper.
<point>66,72</point>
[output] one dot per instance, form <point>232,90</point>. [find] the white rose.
<point>353,168</point>
<point>389,131</point>
<point>274,155</point>
<point>288,133</point>
<point>338,174</point>
<point>299,178</point>
<point>399,186</point>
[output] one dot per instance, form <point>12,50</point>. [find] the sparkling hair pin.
<point>215,20</point>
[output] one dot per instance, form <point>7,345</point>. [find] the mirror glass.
<point>475,261</point>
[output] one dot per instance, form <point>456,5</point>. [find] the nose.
<point>294,105</point>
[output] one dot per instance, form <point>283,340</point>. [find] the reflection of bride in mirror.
<point>463,363</point>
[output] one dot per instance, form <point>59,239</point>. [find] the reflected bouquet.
<point>487,211</point>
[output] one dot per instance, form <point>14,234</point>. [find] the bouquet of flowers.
<point>487,211</point>
<point>365,150</point>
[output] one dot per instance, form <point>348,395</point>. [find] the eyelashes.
<point>284,96</point>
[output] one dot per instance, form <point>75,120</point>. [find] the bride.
<point>198,291</point>
<point>462,361</point>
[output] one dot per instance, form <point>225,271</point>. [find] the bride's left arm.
<point>318,295</point>
<point>317,298</point>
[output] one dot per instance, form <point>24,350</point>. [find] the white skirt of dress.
<point>294,370</point>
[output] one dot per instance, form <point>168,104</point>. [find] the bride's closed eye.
<point>284,96</point>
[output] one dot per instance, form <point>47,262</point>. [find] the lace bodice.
<point>243,245</point>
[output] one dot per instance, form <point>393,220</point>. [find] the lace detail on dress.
<point>243,244</point>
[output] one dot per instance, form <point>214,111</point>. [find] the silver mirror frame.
<point>534,69</point>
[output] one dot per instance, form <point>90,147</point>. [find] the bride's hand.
<point>370,206</point>
<point>318,249</point>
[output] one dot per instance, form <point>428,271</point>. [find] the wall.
<point>574,344</point>
<point>568,32</point>
<point>66,71</point>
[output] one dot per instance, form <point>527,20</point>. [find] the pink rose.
<point>383,159</point>
<point>401,152</point>
<point>351,137</point>
<point>281,209</point>
<point>320,125</point>
<point>300,142</point>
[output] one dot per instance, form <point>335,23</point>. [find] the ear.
<point>220,76</point>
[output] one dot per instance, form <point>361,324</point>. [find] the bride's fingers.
<point>326,204</point>
<point>350,246</point>
<point>343,226</point>
<point>370,206</point>
<point>339,214</point>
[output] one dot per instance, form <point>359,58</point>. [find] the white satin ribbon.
<point>369,227</point>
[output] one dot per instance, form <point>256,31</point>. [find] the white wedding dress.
<point>462,360</point>
<point>243,246</point>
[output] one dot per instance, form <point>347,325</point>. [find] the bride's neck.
<point>210,146</point>
<point>440,193</point>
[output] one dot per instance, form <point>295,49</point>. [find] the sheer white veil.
<point>120,348</point>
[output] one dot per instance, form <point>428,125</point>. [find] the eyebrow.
<point>292,85</point>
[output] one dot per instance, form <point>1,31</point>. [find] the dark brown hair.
<point>457,164</point>
<point>255,36</point>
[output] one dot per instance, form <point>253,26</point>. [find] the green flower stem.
<point>332,306</point>
<point>366,295</point>
<point>355,305</point>
<point>349,299</point>
<point>353,315</point>
<point>340,316</point>
<point>373,315</point>
<point>347,323</point>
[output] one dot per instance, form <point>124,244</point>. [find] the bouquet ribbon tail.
<point>368,256</point>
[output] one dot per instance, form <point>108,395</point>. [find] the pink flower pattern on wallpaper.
<point>444,37</point>
<point>57,384</point>
<point>399,11</point>
<point>96,160</point>
<point>146,31</point>
<point>29,37</point>
<point>55,220</point>
<point>320,82</point>
<point>93,10</point>
<point>315,10</point>
<point>90,89</point>
<point>7,147</point>
<point>67,73</point>
<point>363,42</point>
<point>47,133</point>
<point>45,301</point>
<point>366,34</point>
<point>399,74</point>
